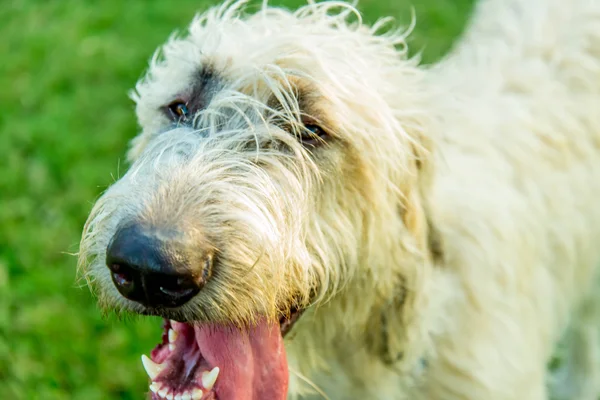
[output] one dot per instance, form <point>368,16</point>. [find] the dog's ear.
<point>414,206</point>
<point>386,340</point>
<point>419,223</point>
<point>397,332</point>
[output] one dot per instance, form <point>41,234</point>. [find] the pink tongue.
<point>252,361</point>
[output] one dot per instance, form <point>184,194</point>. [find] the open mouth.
<point>209,361</point>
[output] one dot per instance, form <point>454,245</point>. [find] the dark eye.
<point>312,135</point>
<point>178,110</point>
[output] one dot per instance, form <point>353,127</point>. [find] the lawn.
<point>65,120</point>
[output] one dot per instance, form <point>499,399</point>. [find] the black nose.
<point>155,267</point>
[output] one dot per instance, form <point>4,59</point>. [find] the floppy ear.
<point>387,338</point>
<point>415,211</point>
<point>398,330</point>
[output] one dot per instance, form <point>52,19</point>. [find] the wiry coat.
<point>447,233</point>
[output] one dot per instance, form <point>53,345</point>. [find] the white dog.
<point>422,233</point>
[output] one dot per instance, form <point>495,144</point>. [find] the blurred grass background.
<point>65,120</point>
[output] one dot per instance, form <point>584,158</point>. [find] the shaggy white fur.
<point>446,234</point>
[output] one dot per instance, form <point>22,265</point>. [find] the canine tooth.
<point>172,335</point>
<point>152,368</point>
<point>170,396</point>
<point>177,396</point>
<point>186,396</point>
<point>171,347</point>
<point>163,392</point>
<point>197,394</point>
<point>209,378</point>
<point>155,387</point>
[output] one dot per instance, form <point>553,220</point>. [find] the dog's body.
<point>446,237</point>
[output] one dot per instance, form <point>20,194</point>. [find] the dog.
<point>316,215</point>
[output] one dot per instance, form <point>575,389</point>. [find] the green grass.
<point>65,119</point>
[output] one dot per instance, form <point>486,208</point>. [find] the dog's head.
<point>278,164</point>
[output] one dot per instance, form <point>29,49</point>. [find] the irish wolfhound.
<point>420,233</point>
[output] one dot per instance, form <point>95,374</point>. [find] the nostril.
<point>122,275</point>
<point>175,288</point>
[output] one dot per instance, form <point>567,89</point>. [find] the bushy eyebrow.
<point>205,83</point>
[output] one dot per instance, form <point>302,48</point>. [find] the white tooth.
<point>171,347</point>
<point>209,378</point>
<point>170,396</point>
<point>152,368</point>
<point>155,387</point>
<point>197,394</point>
<point>186,396</point>
<point>172,336</point>
<point>177,396</point>
<point>163,392</point>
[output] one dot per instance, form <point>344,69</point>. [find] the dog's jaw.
<point>218,361</point>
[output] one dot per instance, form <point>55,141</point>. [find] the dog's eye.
<point>312,135</point>
<point>178,110</point>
